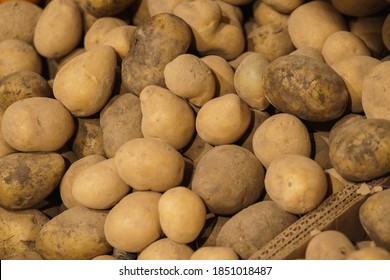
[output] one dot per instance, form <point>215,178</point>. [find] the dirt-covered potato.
<point>59,28</point>
<point>360,151</point>
<point>133,223</point>
<point>18,55</point>
<point>373,215</point>
<point>149,164</point>
<point>26,179</point>
<point>19,230</point>
<point>251,228</point>
<point>37,124</point>
<point>70,175</point>
<point>189,77</point>
<point>18,20</point>
<point>228,178</point>
<point>305,87</point>
<point>296,183</point>
<point>313,22</point>
<point>99,8</point>
<point>278,135</point>
<point>75,234</point>
<point>155,43</point>
<point>166,116</point>
<point>214,253</point>
<point>375,97</point>
<point>166,249</point>
<point>85,83</point>
<point>88,138</point>
<point>21,85</point>
<point>359,8</point>
<point>329,245</point>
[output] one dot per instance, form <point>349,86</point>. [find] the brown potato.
<point>88,138</point>
<point>166,249</point>
<point>105,8</point>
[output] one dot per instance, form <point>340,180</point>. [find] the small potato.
<point>182,214</point>
<point>373,215</point>
<point>88,138</point>
<point>278,135</point>
<point>18,55</point>
<point>133,223</point>
<point>37,124</point>
<point>214,253</point>
<point>26,179</point>
<point>360,151</point>
<point>359,8</point>
<point>223,120</point>
<point>228,178</point>
<point>166,116</point>
<point>296,183</point>
<point>369,253</point>
<point>247,81</point>
<point>149,164</point>
<point>329,245</point>
<point>54,38</point>
<point>21,85</point>
<point>99,186</point>
<point>84,84</point>
<point>343,44</point>
<point>105,8</point>
<point>120,121</point>
<point>70,175</point>
<point>75,234</point>
<point>166,249</point>
<point>19,231</point>
<point>375,97</point>
<point>251,228</point>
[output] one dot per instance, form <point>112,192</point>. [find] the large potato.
<point>155,42</point>
<point>37,124</point>
<point>360,151</point>
<point>26,179</point>
<point>75,234</point>
<point>19,230</point>
<point>228,178</point>
<point>305,87</point>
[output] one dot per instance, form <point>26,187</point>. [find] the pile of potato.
<point>189,129</point>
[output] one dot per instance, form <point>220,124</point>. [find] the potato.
<point>60,62</point>
<point>359,152</point>
<point>5,149</point>
<point>133,223</point>
<point>214,253</point>
<point>18,20</point>
<point>166,249</point>
<point>26,179</point>
<point>284,6</point>
<point>237,61</point>
<point>21,85</point>
<point>19,231</point>
<point>251,228</point>
<point>265,14</point>
<point>247,81</point>
<point>373,216</point>
<point>105,8</point>
<point>88,139</point>
<point>149,164</point>
<point>343,122</point>
<point>18,55</point>
<point>375,97</point>
<point>278,135</point>
<point>75,234</point>
<point>70,175</point>
<point>296,183</point>
<point>155,43</point>
<point>359,8</point>
<point>92,71</point>
<point>163,6</point>
<point>209,233</point>
<point>119,38</point>
<point>352,70</point>
<point>120,121</point>
<point>373,253</point>
<point>223,120</point>
<point>310,52</point>
<point>182,214</point>
<point>54,38</point>
<point>329,245</point>
<point>313,22</point>
<point>189,77</point>
<point>228,178</point>
<point>94,36</point>
<point>196,149</point>
<point>166,116</point>
<point>37,124</point>
<point>320,147</point>
<point>305,87</point>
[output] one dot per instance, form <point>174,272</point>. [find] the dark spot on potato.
<point>20,175</point>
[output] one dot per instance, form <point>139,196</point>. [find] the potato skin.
<point>302,86</point>
<point>155,42</point>
<point>99,8</point>
<point>28,178</point>
<point>166,249</point>
<point>361,150</point>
